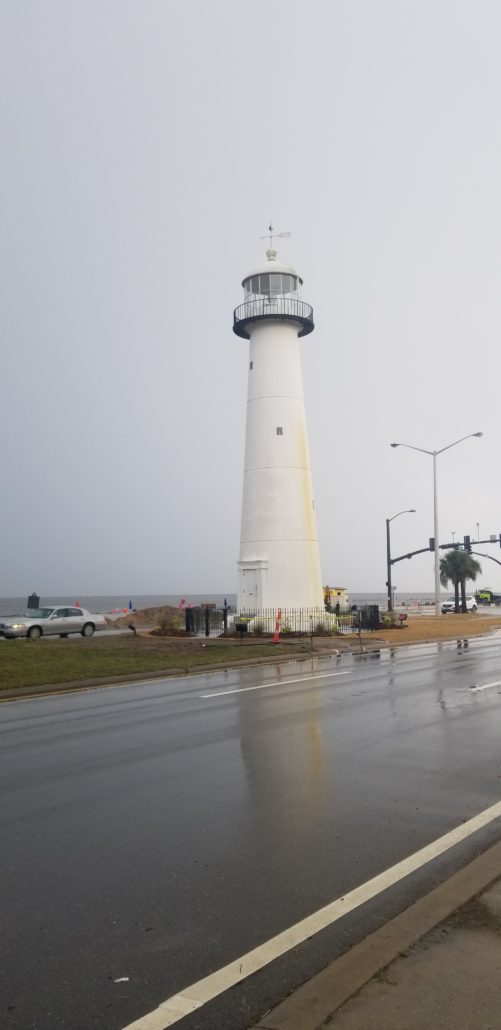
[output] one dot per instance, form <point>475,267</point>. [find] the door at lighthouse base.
<point>251,584</point>
<point>249,588</point>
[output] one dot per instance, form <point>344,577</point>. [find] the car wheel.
<point>88,629</point>
<point>34,633</point>
<point>474,608</point>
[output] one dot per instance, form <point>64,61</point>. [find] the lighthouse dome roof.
<point>272,264</point>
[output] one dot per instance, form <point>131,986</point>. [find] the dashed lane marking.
<point>279,683</point>
<point>485,686</point>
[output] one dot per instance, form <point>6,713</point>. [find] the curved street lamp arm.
<point>406,511</point>
<point>412,448</point>
<point>442,449</point>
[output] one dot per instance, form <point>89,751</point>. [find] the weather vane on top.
<point>277,235</point>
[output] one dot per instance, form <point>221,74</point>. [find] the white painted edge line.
<point>468,652</point>
<point>485,686</point>
<point>306,678</point>
<point>198,994</point>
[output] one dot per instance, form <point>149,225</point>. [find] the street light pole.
<point>388,568</point>
<point>435,533</point>
<point>434,455</point>
<point>389,595</point>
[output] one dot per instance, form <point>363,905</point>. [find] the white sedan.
<point>53,621</point>
<point>449,604</point>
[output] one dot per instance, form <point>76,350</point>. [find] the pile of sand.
<point>148,618</point>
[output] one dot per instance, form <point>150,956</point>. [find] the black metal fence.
<point>292,620</point>
<point>211,621</point>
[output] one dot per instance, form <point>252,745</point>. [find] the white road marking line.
<point>472,651</point>
<point>198,994</point>
<point>280,683</point>
<point>485,686</point>
<point>469,652</point>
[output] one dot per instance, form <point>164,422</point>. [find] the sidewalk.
<point>437,965</point>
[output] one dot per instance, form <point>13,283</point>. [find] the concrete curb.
<point>313,1004</point>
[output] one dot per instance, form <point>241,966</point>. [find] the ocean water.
<point>107,603</point>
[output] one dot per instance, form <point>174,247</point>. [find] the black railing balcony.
<point>281,309</point>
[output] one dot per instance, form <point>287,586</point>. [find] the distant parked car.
<point>53,621</point>
<point>449,604</point>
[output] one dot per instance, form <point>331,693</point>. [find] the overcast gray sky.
<point>145,146</point>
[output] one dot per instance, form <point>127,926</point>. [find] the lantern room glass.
<point>270,284</point>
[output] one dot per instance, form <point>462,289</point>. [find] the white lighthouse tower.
<point>279,564</point>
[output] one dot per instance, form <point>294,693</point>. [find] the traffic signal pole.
<point>388,567</point>
<point>434,547</point>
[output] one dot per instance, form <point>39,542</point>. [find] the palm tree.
<point>456,567</point>
<point>449,573</point>
<point>471,569</point>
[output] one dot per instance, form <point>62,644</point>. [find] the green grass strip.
<point>26,663</point>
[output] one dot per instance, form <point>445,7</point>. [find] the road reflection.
<point>284,755</point>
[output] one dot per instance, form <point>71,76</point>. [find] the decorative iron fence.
<point>293,620</point>
<point>211,621</point>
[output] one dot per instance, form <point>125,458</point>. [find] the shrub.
<point>389,620</point>
<point>171,624</point>
<point>321,630</point>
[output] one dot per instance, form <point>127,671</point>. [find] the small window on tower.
<point>251,365</point>
<point>280,431</point>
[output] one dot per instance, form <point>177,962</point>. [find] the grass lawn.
<point>420,629</point>
<point>26,663</point>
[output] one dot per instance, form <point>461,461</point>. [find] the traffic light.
<point>432,543</point>
<point>467,543</point>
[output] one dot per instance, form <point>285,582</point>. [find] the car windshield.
<point>39,613</point>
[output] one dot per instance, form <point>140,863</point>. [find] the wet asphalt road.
<point>152,833</point>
